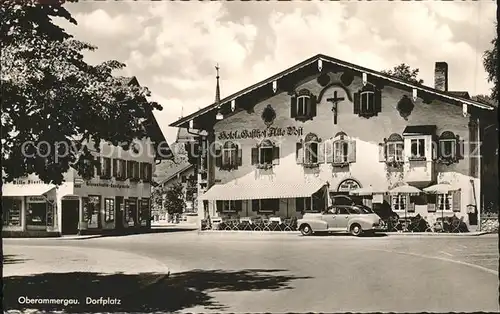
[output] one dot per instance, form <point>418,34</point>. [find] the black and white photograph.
<point>249,156</point>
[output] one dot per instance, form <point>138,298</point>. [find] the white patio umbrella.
<point>405,188</point>
<point>367,191</point>
<point>441,188</point>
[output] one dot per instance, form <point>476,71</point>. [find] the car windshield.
<point>355,210</point>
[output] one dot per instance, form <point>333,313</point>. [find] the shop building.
<point>276,147</point>
<point>114,196</point>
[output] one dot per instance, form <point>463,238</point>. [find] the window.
<point>399,202</point>
<point>11,211</point>
<point>119,169</point>
<point>448,147</point>
<point>444,201</point>
<point>340,151</point>
<point>93,211</point>
<point>229,157</point>
<point>312,152</point>
<point>144,211</point>
<point>229,206</point>
<point>265,154</point>
<point>105,169</point>
<point>131,211</point>
<point>133,170</point>
<point>37,214</point>
<point>146,172</point>
<point>418,148</point>
<point>303,105</point>
<point>394,149</point>
<point>109,209</point>
<point>303,204</point>
<point>367,101</point>
<point>266,205</point>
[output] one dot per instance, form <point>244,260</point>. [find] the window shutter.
<point>98,166</point>
<point>293,106</point>
<point>436,149</point>
<point>141,171</point>
<point>410,205</point>
<point>356,103</point>
<point>352,151</point>
<point>129,169</point>
<point>329,151</point>
<point>312,112</point>
<point>377,98</point>
<point>255,155</point>
<point>456,201</point>
<point>240,156</point>
<point>381,152</point>
<point>460,146</point>
<point>431,202</point>
<point>238,205</point>
<point>219,205</point>
<point>276,155</point>
<point>299,153</point>
<point>255,205</point>
<point>115,165</point>
<point>149,175</point>
<point>218,158</point>
<point>321,152</point>
<point>234,158</point>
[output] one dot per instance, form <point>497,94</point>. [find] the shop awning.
<point>9,189</point>
<point>233,192</point>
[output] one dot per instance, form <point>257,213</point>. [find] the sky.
<point>173,47</point>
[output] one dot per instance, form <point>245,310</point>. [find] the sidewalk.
<point>378,235</point>
<point>22,260</point>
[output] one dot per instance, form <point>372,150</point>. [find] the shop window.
<point>303,106</point>
<point>270,205</point>
<point>93,212</point>
<point>144,211</point>
<point>398,202</point>
<point>303,204</point>
<point>109,209</point>
<point>265,155</point>
<point>119,169</point>
<point>131,212</point>
<point>36,211</point>
<point>229,157</point>
<point>367,101</point>
<point>105,168</point>
<point>133,170</point>
<point>11,211</point>
<point>417,149</point>
<point>229,206</point>
<point>444,201</point>
<point>146,170</point>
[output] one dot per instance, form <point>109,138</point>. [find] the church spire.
<point>217,88</point>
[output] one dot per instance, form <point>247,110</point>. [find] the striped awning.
<point>266,190</point>
<point>9,189</point>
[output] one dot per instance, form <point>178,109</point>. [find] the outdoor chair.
<point>257,224</point>
<point>267,224</point>
<point>275,223</point>
<point>287,224</point>
<point>456,225</point>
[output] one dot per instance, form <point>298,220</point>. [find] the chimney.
<point>441,76</point>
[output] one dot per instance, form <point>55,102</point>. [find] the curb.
<point>389,234</point>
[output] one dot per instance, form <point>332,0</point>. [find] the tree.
<point>53,103</point>
<point>169,199</point>
<point>405,73</point>
<point>490,63</point>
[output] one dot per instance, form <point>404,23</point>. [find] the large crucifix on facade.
<point>335,100</point>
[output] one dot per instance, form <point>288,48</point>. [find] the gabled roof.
<point>325,61</point>
<point>176,171</point>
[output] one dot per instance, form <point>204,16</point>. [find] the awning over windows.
<point>231,191</point>
<point>420,130</point>
<point>10,189</point>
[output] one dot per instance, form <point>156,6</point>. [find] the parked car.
<point>355,219</point>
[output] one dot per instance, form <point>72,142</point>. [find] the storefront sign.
<point>348,185</point>
<point>256,133</point>
<point>71,197</point>
<point>36,199</point>
<point>104,185</point>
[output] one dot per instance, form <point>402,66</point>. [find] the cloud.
<point>173,47</point>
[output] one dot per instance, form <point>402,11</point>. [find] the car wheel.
<point>356,229</point>
<point>305,230</point>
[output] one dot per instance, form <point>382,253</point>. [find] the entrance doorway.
<point>119,207</point>
<point>70,216</point>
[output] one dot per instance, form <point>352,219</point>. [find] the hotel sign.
<point>348,185</point>
<point>256,133</point>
